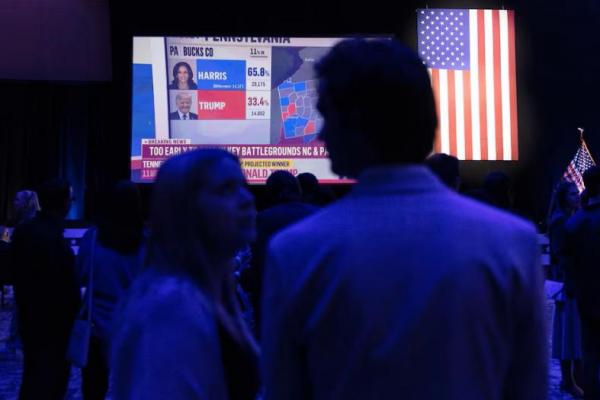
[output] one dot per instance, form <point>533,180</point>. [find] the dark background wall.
<point>71,115</point>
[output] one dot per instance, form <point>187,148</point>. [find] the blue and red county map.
<point>295,121</point>
<point>298,112</point>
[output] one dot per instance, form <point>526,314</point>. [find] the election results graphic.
<point>221,74</point>
<point>221,89</point>
<point>253,96</point>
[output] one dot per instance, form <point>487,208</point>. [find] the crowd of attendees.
<point>403,288</point>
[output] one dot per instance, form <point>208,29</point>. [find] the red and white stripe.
<point>573,175</point>
<point>477,108</point>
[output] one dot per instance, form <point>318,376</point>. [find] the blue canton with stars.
<point>443,36</point>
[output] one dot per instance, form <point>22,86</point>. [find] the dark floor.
<point>11,362</point>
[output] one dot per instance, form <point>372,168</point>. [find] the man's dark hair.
<point>446,168</point>
<point>54,196</point>
<point>282,187</point>
<point>591,180</point>
<point>385,88</point>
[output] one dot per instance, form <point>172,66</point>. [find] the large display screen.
<point>254,96</point>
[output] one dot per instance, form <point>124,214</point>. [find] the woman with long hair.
<point>566,332</point>
<point>183,77</point>
<point>180,333</point>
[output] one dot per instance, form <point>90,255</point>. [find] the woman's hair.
<point>28,206</point>
<point>176,245</point>
<point>190,81</point>
<point>120,224</point>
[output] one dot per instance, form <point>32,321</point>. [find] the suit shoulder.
<point>317,220</point>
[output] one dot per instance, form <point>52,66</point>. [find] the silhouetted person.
<point>313,192</point>
<point>25,207</point>
<point>583,258</point>
<point>46,294</point>
<point>180,333</point>
<point>284,195</point>
<point>309,184</point>
<point>497,189</point>
<point>446,168</point>
<point>118,253</point>
<point>403,289</point>
<point>566,330</point>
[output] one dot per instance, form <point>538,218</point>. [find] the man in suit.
<point>583,256</point>
<point>184,103</point>
<point>402,289</point>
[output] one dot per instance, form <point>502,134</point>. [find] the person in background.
<point>179,333</point>
<point>402,289</point>
<point>583,256</point>
<point>313,192</point>
<point>46,294</point>
<point>566,332</point>
<point>286,208</point>
<point>446,168</point>
<point>497,189</point>
<point>25,207</point>
<point>118,251</point>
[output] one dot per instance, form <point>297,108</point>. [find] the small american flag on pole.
<point>579,164</point>
<point>470,55</point>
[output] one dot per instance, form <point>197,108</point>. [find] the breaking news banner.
<point>257,162</point>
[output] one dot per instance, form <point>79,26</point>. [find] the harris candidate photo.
<point>182,77</point>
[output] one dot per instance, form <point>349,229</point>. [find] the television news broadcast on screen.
<point>253,96</point>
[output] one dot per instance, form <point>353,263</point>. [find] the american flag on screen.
<point>578,165</point>
<point>470,55</point>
